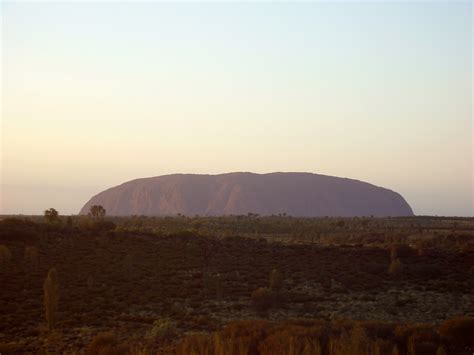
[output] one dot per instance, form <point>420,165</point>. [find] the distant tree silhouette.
<point>51,215</point>
<point>51,296</point>
<point>97,212</point>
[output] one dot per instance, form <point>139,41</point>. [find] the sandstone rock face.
<point>296,194</point>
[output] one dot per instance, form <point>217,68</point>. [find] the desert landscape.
<point>236,177</point>
<point>245,284</point>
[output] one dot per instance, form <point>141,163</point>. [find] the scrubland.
<point>237,285</point>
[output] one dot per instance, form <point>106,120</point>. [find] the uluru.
<point>294,194</point>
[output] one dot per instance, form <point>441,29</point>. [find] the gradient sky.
<point>95,94</point>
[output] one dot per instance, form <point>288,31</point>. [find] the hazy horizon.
<point>96,94</point>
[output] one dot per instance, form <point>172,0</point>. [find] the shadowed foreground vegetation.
<point>312,337</point>
<point>231,285</point>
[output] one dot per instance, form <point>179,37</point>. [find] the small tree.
<point>97,212</point>
<point>51,296</point>
<point>51,215</point>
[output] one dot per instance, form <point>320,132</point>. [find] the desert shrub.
<point>421,347</point>
<point>17,222</point>
<point>393,252</point>
<point>378,329</point>
<point>90,282</point>
<point>292,340</point>
<point>102,226</point>
<point>32,256</point>
<point>416,338</point>
<point>162,329</point>
<point>403,332</point>
<point>276,281</point>
<point>5,254</point>
<point>84,223</point>
<point>128,266</point>
<point>16,229</point>
<point>458,331</point>
<point>404,251</point>
<point>178,310</point>
<point>381,347</point>
<point>240,337</point>
<point>69,222</point>
<point>337,287</point>
<point>219,287</point>
<point>106,344</point>
<point>262,298</point>
<point>51,296</point>
<point>338,337</point>
<point>395,267</point>
<point>357,342</point>
<point>8,348</point>
<point>471,271</point>
<point>195,344</point>
<point>205,281</point>
<point>429,271</point>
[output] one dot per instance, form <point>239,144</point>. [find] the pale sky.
<point>95,94</point>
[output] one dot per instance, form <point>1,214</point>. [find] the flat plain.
<point>178,284</point>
